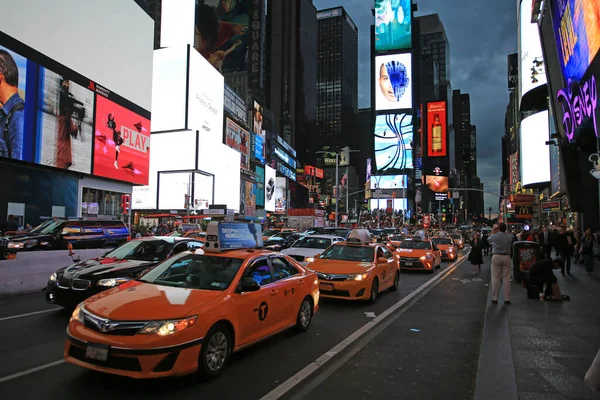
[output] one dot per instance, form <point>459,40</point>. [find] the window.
<point>194,245</point>
<point>72,228</point>
<point>92,228</point>
<point>387,253</point>
<point>282,268</point>
<point>260,272</point>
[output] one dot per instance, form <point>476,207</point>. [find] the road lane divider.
<point>31,371</point>
<point>29,314</point>
<point>310,369</point>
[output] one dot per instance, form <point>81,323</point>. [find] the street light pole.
<point>337,185</point>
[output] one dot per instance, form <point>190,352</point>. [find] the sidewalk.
<point>541,350</point>
<point>429,352</point>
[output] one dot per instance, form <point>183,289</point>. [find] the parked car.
<point>70,285</point>
<point>81,233</point>
<point>307,249</point>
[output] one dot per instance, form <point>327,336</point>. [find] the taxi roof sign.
<point>222,236</point>
<point>359,236</point>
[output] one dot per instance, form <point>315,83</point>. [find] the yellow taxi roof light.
<point>222,236</point>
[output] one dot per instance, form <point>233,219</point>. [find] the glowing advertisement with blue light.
<point>233,235</point>
<point>393,142</point>
<point>393,82</point>
<point>392,25</point>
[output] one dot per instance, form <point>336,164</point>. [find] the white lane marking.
<point>31,371</point>
<point>301,375</point>
<point>28,314</point>
<point>370,314</point>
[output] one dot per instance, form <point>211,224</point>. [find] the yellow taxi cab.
<point>192,311</point>
<point>394,241</point>
<point>458,240</point>
<point>419,254</point>
<point>449,251</point>
<point>356,269</point>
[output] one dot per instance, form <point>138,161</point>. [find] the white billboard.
<point>169,89</point>
<point>206,97</point>
<point>397,204</point>
<point>90,37</point>
<point>531,64</point>
<point>173,187</point>
<point>534,153</point>
<point>389,182</point>
<point>270,183</point>
<point>393,82</point>
<point>281,194</point>
<point>177,23</point>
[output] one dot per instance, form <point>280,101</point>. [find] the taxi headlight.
<point>309,259</point>
<point>166,328</point>
<point>77,313</point>
<point>16,245</point>
<point>53,277</point>
<point>111,282</point>
<point>357,277</point>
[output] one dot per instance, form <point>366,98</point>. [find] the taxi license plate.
<point>96,352</point>
<point>326,286</point>
<point>408,264</point>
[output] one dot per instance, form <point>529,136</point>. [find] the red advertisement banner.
<point>436,129</point>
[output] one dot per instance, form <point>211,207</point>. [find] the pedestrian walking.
<point>501,262</point>
<point>547,242</point>
<point>563,245</point>
<point>589,249</point>
<point>475,256</point>
<point>486,245</point>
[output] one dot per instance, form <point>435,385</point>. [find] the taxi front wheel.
<point>215,351</point>
<point>374,291</point>
<point>305,315</point>
<point>396,282</point>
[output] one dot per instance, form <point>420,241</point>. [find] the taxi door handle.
<point>274,292</point>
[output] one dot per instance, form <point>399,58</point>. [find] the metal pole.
<point>347,189</point>
<point>337,185</point>
<point>440,213</point>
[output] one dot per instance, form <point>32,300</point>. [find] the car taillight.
<point>129,238</point>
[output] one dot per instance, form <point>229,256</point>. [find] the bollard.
<point>592,377</point>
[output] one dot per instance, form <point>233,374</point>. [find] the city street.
<point>30,340</point>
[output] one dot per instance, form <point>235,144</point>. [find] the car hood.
<point>135,301</point>
<point>412,253</point>
<point>24,237</point>
<point>445,246</point>
<point>340,267</point>
<point>302,251</point>
<point>97,268</point>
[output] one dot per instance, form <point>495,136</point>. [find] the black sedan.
<point>70,285</point>
<point>282,240</point>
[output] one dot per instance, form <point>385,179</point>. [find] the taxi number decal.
<point>291,291</point>
<point>262,311</point>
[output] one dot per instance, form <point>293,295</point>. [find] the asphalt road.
<point>35,340</point>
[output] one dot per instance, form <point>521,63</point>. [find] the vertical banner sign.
<point>254,48</point>
<point>513,70</point>
<point>436,132</point>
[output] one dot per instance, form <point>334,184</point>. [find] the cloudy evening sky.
<point>481,35</point>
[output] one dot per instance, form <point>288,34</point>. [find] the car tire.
<point>305,315</point>
<point>396,282</point>
<point>215,352</point>
<point>374,291</point>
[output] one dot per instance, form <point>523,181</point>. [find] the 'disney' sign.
<point>579,101</point>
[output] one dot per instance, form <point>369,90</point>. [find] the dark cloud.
<point>481,35</point>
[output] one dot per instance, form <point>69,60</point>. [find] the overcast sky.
<point>481,35</point>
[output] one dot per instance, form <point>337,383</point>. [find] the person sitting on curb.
<point>541,273</point>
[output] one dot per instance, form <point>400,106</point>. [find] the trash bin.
<point>525,254</point>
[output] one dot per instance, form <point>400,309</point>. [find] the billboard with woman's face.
<point>393,82</point>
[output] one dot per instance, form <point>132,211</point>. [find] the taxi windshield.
<point>442,241</point>
<point>313,243</point>
<point>456,237</point>
<point>270,232</point>
<point>349,253</point>
<point>195,271</point>
<point>415,244</point>
<point>143,250</point>
<point>396,238</point>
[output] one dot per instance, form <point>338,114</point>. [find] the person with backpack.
<point>12,112</point>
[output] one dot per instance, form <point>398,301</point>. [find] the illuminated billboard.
<point>532,70</point>
<point>393,142</point>
<point>393,82</point>
<point>381,204</point>
<point>392,24</point>
<point>238,139</point>
<point>280,194</point>
<point>577,34</point>
<point>534,153</point>
<point>437,184</point>
<point>436,129</point>
<point>389,182</point>
<point>270,182</point>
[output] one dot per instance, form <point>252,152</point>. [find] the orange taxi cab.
<point>458,240</point>
<point>356,269</point>
<point>448,250</point>
<point>418,254</point>
<point>192,311</point>
<point>394,241</point>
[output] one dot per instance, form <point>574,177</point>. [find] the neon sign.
<point>578,104</point>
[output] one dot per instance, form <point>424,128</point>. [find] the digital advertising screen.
<point>534,154</point>
<point>257,119</point>
<point>122,143</point>
<point>382,204</point>
<point>577,33</point>
<point>393,142</point>
<point>533,73</point>
<point>281,194</point>
<point>436,129</point>
<point>393,82</point>
<point>247,200</point>
<point>259,147</point>
<point>393,24</point>
<point>270,182</point>
<point>389,182</point>
<point>437,184</point>
<point>238,139</point>
<point>259,188</point>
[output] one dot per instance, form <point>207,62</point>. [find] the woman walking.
<point>587,251</point>
<point>476,256</point>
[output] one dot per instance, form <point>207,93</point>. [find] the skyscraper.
<point>337,78</point>
<point>473,159</point>
<point>436,48</point>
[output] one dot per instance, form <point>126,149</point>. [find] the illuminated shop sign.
<point>286,146</point>
<point>579,102</point>
<point>284,157</point>
<point>286,171</point>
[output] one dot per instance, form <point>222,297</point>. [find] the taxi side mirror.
<point>382,260</point>
<point>317,256</point>
<point>248,285</point>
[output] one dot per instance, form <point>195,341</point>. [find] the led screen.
<point>393,142</point>
<point>392,24</point>
<point>379,204</point>
<point>173,189</point>
<point>122,143</point>
<point>577,34</point>
<point>270,182</point>
<point>534,154</point>
<point>169,89</point>
<point>257,119</point>
<point>436,129</point>
<point>532,68</point>
<point>260,186</point>
<point>238,139</point>
<point>389,182</point>
<point>438,184</point>
<point>393,82</point>
<point>280,194</point>
<point>247,200</point>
